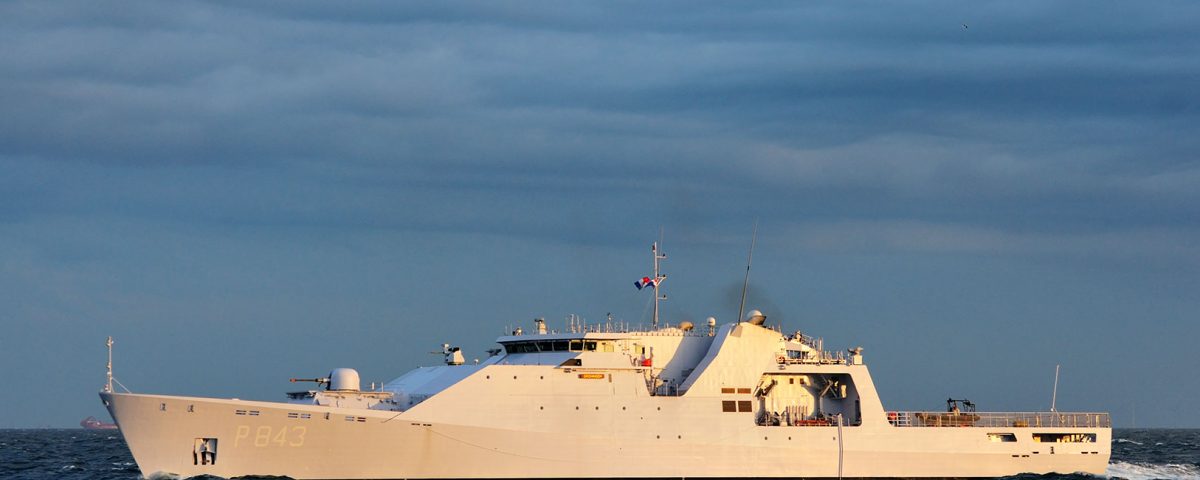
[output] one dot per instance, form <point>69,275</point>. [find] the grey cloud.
<point>158,157</point>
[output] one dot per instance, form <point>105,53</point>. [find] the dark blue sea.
<point>89,454</point>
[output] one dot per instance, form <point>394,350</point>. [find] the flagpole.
<point>658,278</point>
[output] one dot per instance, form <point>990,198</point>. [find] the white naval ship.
<point>603,401</point>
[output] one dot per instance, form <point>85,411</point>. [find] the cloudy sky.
<point>245,192</point>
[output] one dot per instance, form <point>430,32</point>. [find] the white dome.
<point>343,379</point>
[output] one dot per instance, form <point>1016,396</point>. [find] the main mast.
<point>658,278</point>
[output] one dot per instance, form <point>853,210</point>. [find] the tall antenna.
<point>108,383</point>
<point>1054,396</point>
<point>749,259</point>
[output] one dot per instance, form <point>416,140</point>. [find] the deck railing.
<point>999,419</point>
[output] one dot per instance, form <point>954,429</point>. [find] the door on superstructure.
<point>204,451</point>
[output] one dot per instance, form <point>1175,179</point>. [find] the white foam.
<point>1126,440</point>
<point>1150,471</point>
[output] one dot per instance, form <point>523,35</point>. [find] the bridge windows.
<point>578,345</point>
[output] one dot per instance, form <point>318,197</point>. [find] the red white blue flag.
<point>644,282</point>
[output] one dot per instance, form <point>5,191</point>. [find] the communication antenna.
<point>1054,396</point>
<point>749,259</point>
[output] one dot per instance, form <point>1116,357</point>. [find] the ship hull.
<point>321,442</point>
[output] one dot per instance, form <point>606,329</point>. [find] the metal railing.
<point>820,357</point>
<point>999,419</point>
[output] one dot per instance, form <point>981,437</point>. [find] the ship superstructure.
<point>735,400</point>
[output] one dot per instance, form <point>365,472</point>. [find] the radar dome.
<point>756,317</point>
<point>343,379</point>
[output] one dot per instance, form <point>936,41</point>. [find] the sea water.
<point>91,454</point>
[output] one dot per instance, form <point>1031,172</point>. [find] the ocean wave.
<point>1148,471</point>
<point>1126,440</point>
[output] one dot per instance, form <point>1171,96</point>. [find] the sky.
<point>240,193</point>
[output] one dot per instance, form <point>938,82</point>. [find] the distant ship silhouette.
<point>91,423</point>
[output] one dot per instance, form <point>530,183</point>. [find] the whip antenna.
<point>749,259</point>
<point>1054,396</point>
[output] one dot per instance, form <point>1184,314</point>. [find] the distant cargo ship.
<point>91,423</point>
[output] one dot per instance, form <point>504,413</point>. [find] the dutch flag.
<point>643,283</point>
